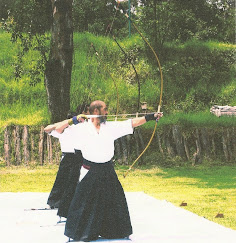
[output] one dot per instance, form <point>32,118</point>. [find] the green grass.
<point>206,190</point>
<point>17,114</point>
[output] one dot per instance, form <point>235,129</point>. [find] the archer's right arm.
<point>60,126</point>
<point>51,127</point>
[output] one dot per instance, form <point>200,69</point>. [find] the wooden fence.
<point>22,145</point>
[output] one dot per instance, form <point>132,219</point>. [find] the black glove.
<point>150,117</point>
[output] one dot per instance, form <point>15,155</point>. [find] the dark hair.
<point>95,105</point>
<point>82,108</point>
<point>71,114</point>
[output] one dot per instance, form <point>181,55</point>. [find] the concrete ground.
<point>153,221</point>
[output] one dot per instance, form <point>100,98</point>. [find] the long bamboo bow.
<point>161,91</point>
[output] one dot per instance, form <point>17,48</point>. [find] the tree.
<point>165,20</point>
<point>28,22</point>
<point>32,19</point>
<point>59,66</point>
<point>154,17</point>
<point>205,19</point>
<point>5,8</point>
<point>225,11</point>
<point>95,17</point>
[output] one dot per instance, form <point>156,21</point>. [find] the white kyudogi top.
<point>66,143</point>
<point>99,147</point>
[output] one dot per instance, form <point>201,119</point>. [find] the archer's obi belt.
<point>95,168</point>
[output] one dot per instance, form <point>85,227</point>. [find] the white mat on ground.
<point>153,221</point>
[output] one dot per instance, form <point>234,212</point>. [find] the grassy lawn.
<point>206,190</point>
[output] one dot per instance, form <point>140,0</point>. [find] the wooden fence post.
<point>159,144</point>
<point>7,147</point>
<point>137,145</point>
<point>32,145</point>
<point>49,148</point>
<point>128,142</point>
<point>25,138</point>
<point>224,145</point>
<point>17,145</point>
<point>169,148</point>
<point>141,140</point>
<point>118,151</point>
<point>234,142</point>
<point>57,150</point>
<point>229,143</point>
<point>213,145</point>
<point>41,146</point>
<point>186,147</point>
<point>205,141</point>
<point>197,156</point>
<point>178,141</point>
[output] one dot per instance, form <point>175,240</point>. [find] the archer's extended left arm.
<point>138,121</point>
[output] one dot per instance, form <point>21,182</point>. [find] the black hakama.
<point>67,164</point>
<point>99,206</point>
<point>71,184</point>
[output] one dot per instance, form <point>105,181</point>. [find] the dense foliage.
<point>192,82</point>
<point>185,20</point>
<point>198,71</point>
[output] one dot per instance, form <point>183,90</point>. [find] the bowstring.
<point>136,73</point>
<point>161,92</point>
